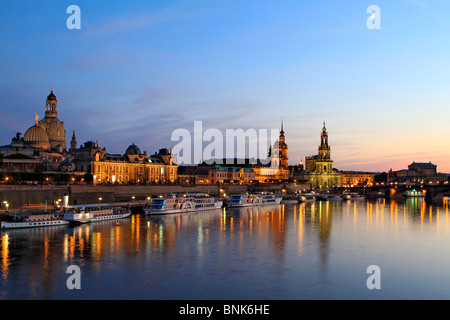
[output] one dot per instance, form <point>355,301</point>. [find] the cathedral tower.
<point>53,127</point>
<point>279,157</point>
<point>73,142</point>
<point>319,171</point>
<point>324,148</point>
<point>283,150</point>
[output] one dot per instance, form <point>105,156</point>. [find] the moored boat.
<point>79,214</point>
<point>269,198</point>
<point>243,200</point>
<point>253,199</point>
<point>352,196</point>
<point>184,203</point>
<point>328,197</point>
<point>414,193</point>
<point>334,197</point>
<point>33,220</point>
<point>307,197</point>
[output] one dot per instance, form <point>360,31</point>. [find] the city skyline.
<point>135,72</point>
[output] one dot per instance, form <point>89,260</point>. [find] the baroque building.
<point>42,147</point>
<point>131,167</point>
<point>319,171</point>
<point>357,179</point>
<point>272,169</point>
<point>418,173</point>
<point>278,167</point>
<point>53,126</point>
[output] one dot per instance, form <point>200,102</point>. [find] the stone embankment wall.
<point>18,196</point>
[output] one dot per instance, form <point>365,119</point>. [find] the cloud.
<point>139,20</point>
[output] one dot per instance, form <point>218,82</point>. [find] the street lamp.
<point>6,205</point>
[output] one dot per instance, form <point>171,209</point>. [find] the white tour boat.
<point>184,203</point>
<point>33,220</point>
<point>253,199</point>
<point>414,193</point>
<point>86,213</point>
<point>307,197</point>
<point>352,196</point>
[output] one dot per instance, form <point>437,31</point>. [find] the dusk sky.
<point>138,70</point>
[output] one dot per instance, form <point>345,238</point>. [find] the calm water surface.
<point>315,250</point>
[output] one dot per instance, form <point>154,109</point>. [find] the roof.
<point>193,170</point>
<point>35,134</point>
<point>133,149</point>
<point>231,169</point>
<point>17,155</point>
<point>424,164</point>
<point>51,96</point>
<point>357,172</point>
<point>237,162</point>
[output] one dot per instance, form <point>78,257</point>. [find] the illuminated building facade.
<point>42,147</point>
<point>357,179</point>
<point>219,174</point>
<point>418,173</point>
<point>53,126</point>
<point>319,171</point>
<point>278,169</point>
<point>131,167</point>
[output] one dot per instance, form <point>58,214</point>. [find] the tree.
<point>88,178</point>
<point>381,177</point>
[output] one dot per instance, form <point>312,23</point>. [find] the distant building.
<point>20,157</point>
<point>131,167</point>
<point>194,175</point>
<point>417,173</point>
<point>216,174</point>
<point>53,127</point>
<point>272,169</point>
<point>277,169</point>
<point>42,147</point>
<point>219,174</point>
<point>357,179</point>
<point>423,168</point>
<point>319,171</point>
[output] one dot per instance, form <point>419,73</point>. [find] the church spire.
<point>324,149</point>
<point>73,142</point>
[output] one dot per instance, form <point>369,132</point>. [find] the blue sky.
<point>138,70</point>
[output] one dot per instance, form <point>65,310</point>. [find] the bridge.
<point>396,191</point>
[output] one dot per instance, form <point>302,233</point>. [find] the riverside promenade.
<point>26,197</point>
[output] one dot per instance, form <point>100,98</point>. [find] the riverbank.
<point>19,196</point>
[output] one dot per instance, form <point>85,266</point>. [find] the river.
<point>316,250</point>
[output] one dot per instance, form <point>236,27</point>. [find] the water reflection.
<point>277,239</point>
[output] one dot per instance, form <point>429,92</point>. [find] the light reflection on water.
<point>317,250</point>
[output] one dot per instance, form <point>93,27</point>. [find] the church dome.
<point>51,96</point>
<point>36,137</point>
<point>133,149</point>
